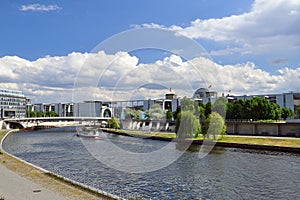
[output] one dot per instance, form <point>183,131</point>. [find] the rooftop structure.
<point>205,96</point>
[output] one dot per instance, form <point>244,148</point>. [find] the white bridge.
<point>52,122</point>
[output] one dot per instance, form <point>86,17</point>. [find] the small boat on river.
<point>88,132</point>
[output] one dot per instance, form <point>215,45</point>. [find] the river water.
<point>225,173</point>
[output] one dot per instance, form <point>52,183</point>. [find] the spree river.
<point>225,173</point>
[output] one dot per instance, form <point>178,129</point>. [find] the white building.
<point>170,102</point>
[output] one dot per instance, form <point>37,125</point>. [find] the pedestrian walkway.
<point>16,187</point>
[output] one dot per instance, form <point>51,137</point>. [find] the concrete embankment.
<point>278,129</point>
<point>22,180</point>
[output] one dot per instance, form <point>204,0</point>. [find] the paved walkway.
<point>16,187</point>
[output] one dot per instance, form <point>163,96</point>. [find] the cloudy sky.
<point>62,51</point>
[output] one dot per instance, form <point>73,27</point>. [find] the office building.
<point>12,103</point>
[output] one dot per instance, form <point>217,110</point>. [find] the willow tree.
<point>187,125</point>
<point>214,126</point>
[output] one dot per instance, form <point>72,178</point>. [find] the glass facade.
<point>12,103</point>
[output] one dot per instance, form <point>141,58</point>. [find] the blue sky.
<point>258,41</point>
<point>81,25</point>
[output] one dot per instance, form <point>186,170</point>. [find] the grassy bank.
<point>144,133</point>
<point>252,140</point>
<point>46,180</point>
<point>284,142</point>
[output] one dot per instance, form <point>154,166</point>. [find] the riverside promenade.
<point>15,187</point>
<point>20,181</point>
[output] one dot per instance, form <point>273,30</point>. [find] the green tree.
<point>156,112</point>
<point>297,112</point>
<point>187,125</point>
<point>238,109</point>
<point>277,111</point>
<point>177,112</point>
<point>196,109</point>
<point>187,105</point>
<point>51,114</point>
<point>40,114</point>
<point>208,108</point>
<point>260,108</point>
<point>256,108</point>
<point>132,114</point>
<point>30,113</point>
<point>202,116</point>
<point>214,126</point>
<point>229,111</point>
<point>286,113</point>
<point>169,115</point>
<point>114,123</point>
<point>220,106</point>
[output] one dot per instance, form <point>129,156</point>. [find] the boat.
<point>88,132</point>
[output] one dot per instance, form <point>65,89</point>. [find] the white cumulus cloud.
<point>39,7</point>
<point>268,27</point>
<point>102,76</point>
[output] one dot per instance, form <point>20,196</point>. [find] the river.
<point>225,173</point>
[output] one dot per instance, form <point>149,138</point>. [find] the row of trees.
<point>193,119</point>
<point>154,113</point>
<point>211,116</point>
<point>255,109</point>
<point>30,113</point>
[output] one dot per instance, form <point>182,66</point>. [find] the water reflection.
<point>196,148</point>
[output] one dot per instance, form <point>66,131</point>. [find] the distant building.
<point>117,107</point>
<point>204,95</point>
<point>87,109</point>
<point>64,109</point>
<point>12,103</point>
<point>81,109</point>
<point>170,102</point>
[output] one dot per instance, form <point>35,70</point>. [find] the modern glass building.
<point>12,103</point>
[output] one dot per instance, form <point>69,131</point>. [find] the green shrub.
<point>114,123</point>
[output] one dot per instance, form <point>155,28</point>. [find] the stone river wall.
<point>263,129</point>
